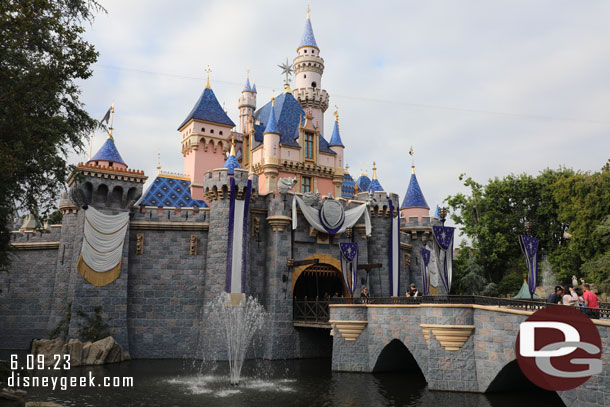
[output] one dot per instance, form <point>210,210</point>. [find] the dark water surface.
<point>167,383</point>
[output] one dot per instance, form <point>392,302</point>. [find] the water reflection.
<point>279,383</point>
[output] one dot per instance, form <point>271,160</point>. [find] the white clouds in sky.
<point>391,66</point>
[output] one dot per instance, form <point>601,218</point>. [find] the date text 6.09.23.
<point>41,362</point>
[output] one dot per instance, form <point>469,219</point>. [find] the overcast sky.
<point>483,87</point>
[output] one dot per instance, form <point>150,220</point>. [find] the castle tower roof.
<point>207,108</point>
<point>231,163</point>
<point>170,190</point>
<point>272,126</point>
<point>254,87</point>
<point>247,87</point>
<point>308,39</point>
<point>363,183</point>
<point>335,139</point>
<point>414,198</point>
<point>375,186</point>
<point>108,152</point>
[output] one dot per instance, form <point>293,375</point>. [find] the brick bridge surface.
<point>489,335</point>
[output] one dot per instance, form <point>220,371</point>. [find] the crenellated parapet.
<point>312,98</point>
<point>216,184</point>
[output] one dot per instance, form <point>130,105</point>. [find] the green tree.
<point>494,215</point>
<point>42,56</point>
<point>566,210</point>
<point>583,205</point>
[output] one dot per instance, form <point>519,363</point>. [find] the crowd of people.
<point>575,297</point>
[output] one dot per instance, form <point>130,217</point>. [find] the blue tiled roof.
<point>247,87</point>
<point>347,188</point>
<point>363,182</point>
<point>254,87</point>
<point>272,126</point>
<point>436,214</point>
<point>231,164</point>
<point>308,40</point>
<point>335,139</point>
<point>207,108</point>
<point>375,186</point>
<point>288,113</point>
<point>170,192</point>
<point>108,152</point>
<point>324,147</point>
<point>414,198</point>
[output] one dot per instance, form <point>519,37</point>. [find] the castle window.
<point>220,132</point>
<point>304,76</point>
<point>203,129</point>
<point>306,51</point>
<point>313,84</point>
<point>212,131</point>
<point>308,145</point>
<point>110,163</point>
<point>305,184</point>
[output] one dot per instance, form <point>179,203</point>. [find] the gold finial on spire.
<point>159,162</point>
<point>374,171</point>
<point>308,12</point>
<point>111,120</point>
<point>232,146</point>
<point>336,113</point>
<point>346,167</point>
<point>412,154</point>
<point>207,82</point>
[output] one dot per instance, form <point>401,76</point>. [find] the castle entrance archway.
<point>319,280</point>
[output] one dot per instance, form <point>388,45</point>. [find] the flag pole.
<point>90,144</point>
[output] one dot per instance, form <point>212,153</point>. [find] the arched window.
<point>313,84</point>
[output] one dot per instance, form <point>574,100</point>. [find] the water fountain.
<point>548,278</point>
<point>239,317</point>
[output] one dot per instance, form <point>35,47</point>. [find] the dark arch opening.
<point>320,280</point>
<point>511,379</point>
<point>102,194</point>
<point>117,196</point>
<point>395,357</point>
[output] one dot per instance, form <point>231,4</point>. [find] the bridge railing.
<point>525,305</point>
<point>310,310</point>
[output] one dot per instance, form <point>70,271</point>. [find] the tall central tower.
<point>308,69</point>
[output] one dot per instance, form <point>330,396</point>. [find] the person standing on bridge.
<point>412,291</point>
<point>591,301</point>
<point>364,295</point>
<point>555,298</point>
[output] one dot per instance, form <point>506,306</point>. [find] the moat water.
<point>168,383</point>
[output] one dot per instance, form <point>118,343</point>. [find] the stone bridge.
<point>457,347</point>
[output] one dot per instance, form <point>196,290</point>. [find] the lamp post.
<point>442,212</point>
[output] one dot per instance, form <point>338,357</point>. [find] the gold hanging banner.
<point>95,278</point>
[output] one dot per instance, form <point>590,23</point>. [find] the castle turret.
<point>337,146</point>
<point>246,105</point>
<point>414,205</point>
<point>271,152</point>
<point>375,185</point>
<point>205,135</point>
<point>308,69</point>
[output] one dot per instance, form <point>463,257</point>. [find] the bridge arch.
<point>511,378</point>
<point>394,357</point>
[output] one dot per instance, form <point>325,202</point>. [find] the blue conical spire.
<point>247,87</point>
<point>308,39</point>
<point>231,163</point>
<point>335,139</point>
<point>414,198</point>
<point>108,152</point>
<point>254,87</point>
<point>272,123</point>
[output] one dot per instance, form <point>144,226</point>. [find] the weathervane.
<point>287,71</point>
<point>207,83</point>
<point>412,154</point>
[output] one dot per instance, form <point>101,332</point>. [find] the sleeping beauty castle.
<point>265,207</point>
